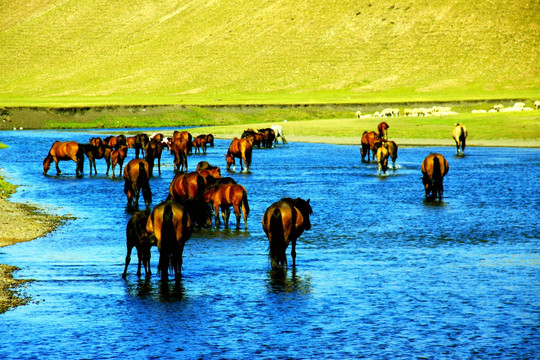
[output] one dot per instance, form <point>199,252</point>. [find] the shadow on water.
<point>279,281</point>
<point>163,291</point>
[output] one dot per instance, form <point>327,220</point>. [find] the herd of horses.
<point>195,197</point>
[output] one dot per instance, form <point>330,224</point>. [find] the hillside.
<point>85,52</point>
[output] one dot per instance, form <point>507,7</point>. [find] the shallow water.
<point>381,274</point>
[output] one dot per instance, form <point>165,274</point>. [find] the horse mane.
<point>302,204</point>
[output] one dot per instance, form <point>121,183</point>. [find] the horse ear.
<point>308,200</point>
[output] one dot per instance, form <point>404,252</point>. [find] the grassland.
<point>94,53</point>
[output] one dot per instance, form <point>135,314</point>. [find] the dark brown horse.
<point>91,151</point>
<point>118,157</point>
<point>283,222</point>
<point>179,149</point>
<point>369,140</point>
<point>137,237</point>
<point>382,128</point>
<point>185,136</point>
<point>434,169</point>
<point>210,140</point>
<point>223,197</point>
<point>153,152</point>
<point>269,137</point>
<point>137,178</point>
<point>460,135</point>
<point>199,143</point>
<point>172,227</point>
<point>141,144</point>
<point>241,149</point>
<point>62,151</point>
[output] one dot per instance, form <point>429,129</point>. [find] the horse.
<point>278,130</point>
<point>199,212</point>
<point>210,139</point>
<point>382,128</point>
<point>225,196</point>
<point>172,227</point>
<point>460,135</point>
<point>199,143</point>
<point>137,178</point>
<point>382,157</point>
<point>179,149</point>
<point>153,151</point>
<point>368,143</point>
<point>130,141</point>
<point>141,144</point>
<point>118,157</point>
<point>392,152</point>
<point>241,149</point>
<point>269,136</point>
<point>62,151</point>
<point>283,222</point>
<point>138,237</point>
<point>183,135</point>
<point>203,165</point>
<point>91,152</point>
<point>256,138</point>
<point>434,169</point>
<point>186,186</point>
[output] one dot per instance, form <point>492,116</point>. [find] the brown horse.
<point>118,157</point>
<point>225,196</point>
<point>91,152</point>
<point>382,157</point>
<point>62,151</point>
<point>153,152</point>
<point>283,222</point>
<point>369,140</point>
<point>172,226</point>
<point>137,178</point>
<point>185,136</point>
<point>199,143</point>
<point>241,149</point>
<point>460,135</point>
<point>392,152</point>
<point>382,128</point>
<point>141,144</point>
<point>130,141</point>
<point>186,186</point>
<point>434,169</point>
<point>269,137</point>
<point>179,149</point>
<point>137,237</point>
<point>210,140</point>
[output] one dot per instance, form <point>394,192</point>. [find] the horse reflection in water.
<point>164,292</point>
<point>283,222</point>
<point>279,282</point>
<point>172,227</point>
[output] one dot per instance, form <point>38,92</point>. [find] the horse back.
<point>182,223</point>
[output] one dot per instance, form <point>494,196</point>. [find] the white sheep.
<point>537,104</point>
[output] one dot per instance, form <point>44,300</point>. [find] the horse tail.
<point>245,202</point>
<point>436,169</point>
<point>168,239</point>
<point>201,186</point>
<point>277,244</point>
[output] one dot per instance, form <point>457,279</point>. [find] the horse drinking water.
<point>62,151</point>
<point>434,169</point>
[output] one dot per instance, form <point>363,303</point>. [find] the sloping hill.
<point>269,51</point>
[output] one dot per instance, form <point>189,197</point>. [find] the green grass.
<point>88,53</point>
<point>6,189</point>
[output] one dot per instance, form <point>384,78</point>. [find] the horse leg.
<point>159,165</point>
<point>238,216</point>
<point>108,166</point>
<point>140,257</point>
<point>293,252</point>
<point>226,213</point>
<point>216,214</point>
<point>58,172</point>
<point>128,259</point>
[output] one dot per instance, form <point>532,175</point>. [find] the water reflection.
<point>163,291</point>
<point>280,281</point>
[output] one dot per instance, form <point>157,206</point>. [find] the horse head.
<point>47,164</point>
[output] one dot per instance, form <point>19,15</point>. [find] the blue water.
<point>381,274</point>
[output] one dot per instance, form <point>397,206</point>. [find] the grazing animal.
<point>241,149</point>
<point>153,152</point>
<point>91,152</point>
<point>382,128</point>
<point>434,169</point>
<point>199,143</point>
<point>392,152</point>
<point>382,157</point>
<point>137,178</point>
<point>269,136</point>
<point>225,196</point>
<point>369,140</point>
<point>179,149</point>
<point>141,144</point>
<point>205,165</point>
<point>283,222</point>
<point>62,151</point>
<point>460,135</point>
<point>278,130</point>
<point>137,237</point>
<point>185,136</point>
<point>172,227</point>
<point>210,140</point>
<point>118,157</point>
<point>537,104</point>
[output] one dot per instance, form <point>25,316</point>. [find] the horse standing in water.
<point>153,151</point>
<point>434,169</point>
<point>382,157</point>
<point>172,226</point>
<point>118,157</point>
<point>62,151</point>
<point>369,140</point>
<point>460,135</point>
<point>241,149</point>
<point>179,149</point>
<point>225,196</point>
<point>137,178</point>
<point>137,237</point>
<point>283,222</point>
